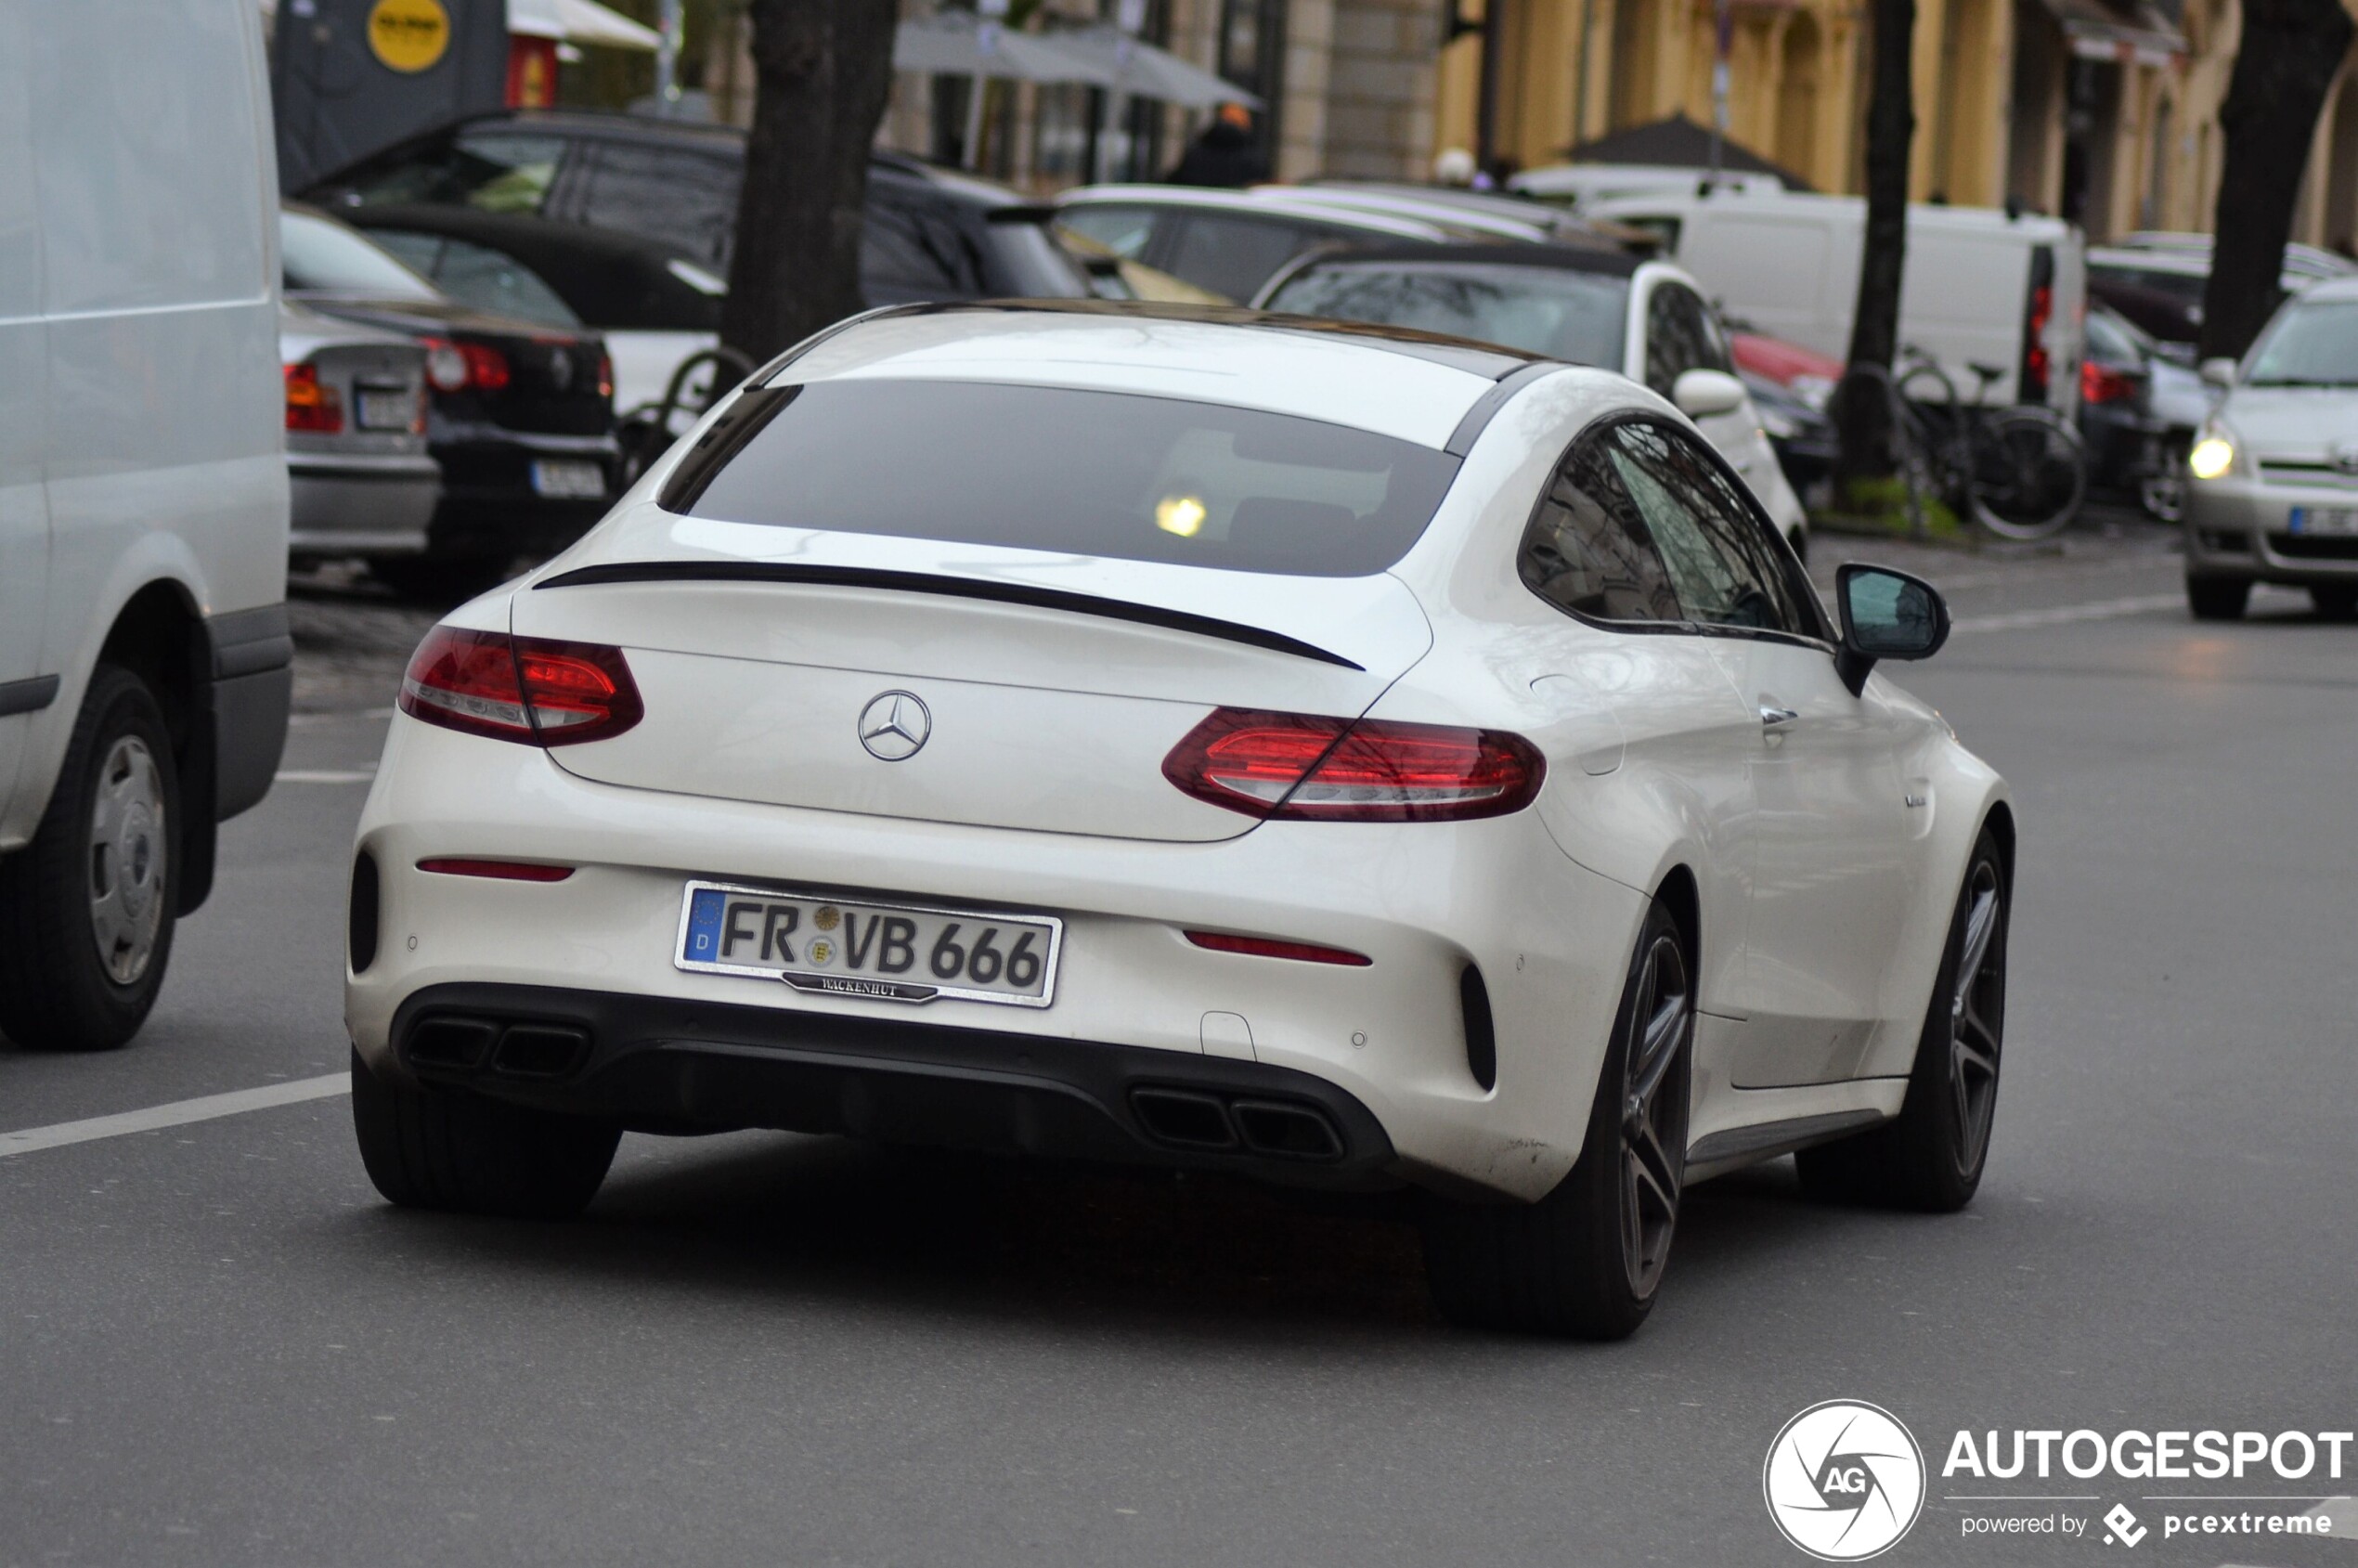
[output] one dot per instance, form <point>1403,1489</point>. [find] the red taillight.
<point>312,405</point>
<point>2100,384</point>
<point>1269,947</point>
<point>2034,357</point>
<point>605,375</point>
<point>499,871</point>
<point>520,688</point>
<point>455,367</point>
<point>1309,768</point>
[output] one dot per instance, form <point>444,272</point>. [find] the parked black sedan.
<point>520,415</point>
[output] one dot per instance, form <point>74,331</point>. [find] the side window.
<point>1717,553</point>
<point>1680,336</point>
<point>1588,551</point>
<point>494,170</point>
<point>1122,230</point>
<point>660,193</point>
<point>1231,254</point>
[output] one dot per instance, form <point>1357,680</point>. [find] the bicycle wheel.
<point>2029,473</point>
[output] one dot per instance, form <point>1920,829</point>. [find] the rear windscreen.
<point>1097,473</point>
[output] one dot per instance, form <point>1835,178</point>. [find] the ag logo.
<point>408,36</point>
<point>1845,1481</point>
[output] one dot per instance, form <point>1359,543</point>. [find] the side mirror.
<point>1701,393</point>
<point>1886,615</point>
<point>2219,374</point>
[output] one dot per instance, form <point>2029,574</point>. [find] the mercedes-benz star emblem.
<point>894,726</point>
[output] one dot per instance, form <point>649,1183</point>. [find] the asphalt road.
<point>218,1346</point>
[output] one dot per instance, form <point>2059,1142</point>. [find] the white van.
<point>1980,288</point>
<point>145,662</point>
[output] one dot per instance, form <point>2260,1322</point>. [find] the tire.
<point>436,1149</point>
<point>2029,474</point>
<point>2218,599</point>
<point>1932,1156</point>
<point>2161,489</point>
<point>2335,601</point>
<point>86,909</point>
<point>1587,1260</point>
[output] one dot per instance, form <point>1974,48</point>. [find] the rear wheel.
<point>1931,1157</point>
<point>1588,1259</point>
<point>435,1148</point>
<point>2218,599</point>
<point>86,913</point>
<point>2335,601</point>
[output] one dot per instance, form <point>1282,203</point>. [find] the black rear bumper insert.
<point>663,1065</point>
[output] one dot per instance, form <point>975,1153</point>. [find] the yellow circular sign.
<point>408,36</point>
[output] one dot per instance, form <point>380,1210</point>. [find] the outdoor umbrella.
<point>960,43</point>
<point>1143,70</point>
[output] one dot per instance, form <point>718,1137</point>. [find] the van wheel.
<point>2218,599</point>
<point>1931,1157</point>
<point>86,910</point>
<point>1588,1259</point>
<point>437,1148</point>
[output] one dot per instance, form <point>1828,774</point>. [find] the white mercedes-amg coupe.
<point>1336,756</point>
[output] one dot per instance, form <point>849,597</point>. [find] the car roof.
<point>1416,386</point>
<point>1538,257</point>
<point>2331,291</point>
<point>720,141</point>
<point>1335,215</point>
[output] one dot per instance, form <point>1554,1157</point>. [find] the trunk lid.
<point>1047,689</point>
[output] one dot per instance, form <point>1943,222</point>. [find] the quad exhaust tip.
<point>1194,1120</point>
<point>512,1050</point>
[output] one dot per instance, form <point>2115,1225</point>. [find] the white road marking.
<point>179,1113</point>
<point>325,775</point>
<point>2061,615</point>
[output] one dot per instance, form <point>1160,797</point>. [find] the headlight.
<point>2214,456</point>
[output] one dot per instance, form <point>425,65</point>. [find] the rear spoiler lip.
<point>959,587</point>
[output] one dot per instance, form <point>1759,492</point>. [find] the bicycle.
<point>2020,470</point>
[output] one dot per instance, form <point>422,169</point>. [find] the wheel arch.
<point>160,636</point>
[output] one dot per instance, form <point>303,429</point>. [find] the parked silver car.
<point>361,480</point>
<point>2273,496</point>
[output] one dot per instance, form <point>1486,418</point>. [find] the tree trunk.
<point>822,72</point>
<point>2285,64</point>
<point>1862,410</point>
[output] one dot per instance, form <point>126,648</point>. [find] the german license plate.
<point>393,408</point>
<point>568,479</point>
<point>2324,520</point>
<point>889,953</point>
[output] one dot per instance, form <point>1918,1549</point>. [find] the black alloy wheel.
<point>1587,1260</point>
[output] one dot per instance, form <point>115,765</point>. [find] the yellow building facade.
<point>2103,111</point>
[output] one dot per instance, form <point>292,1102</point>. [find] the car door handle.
<point>1772,717</point>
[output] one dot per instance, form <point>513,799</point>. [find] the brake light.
<point>605,375</point>
<point>1305,767</point>
<point>1269,947</point>
<point>2035,361</point>
<point>520,688</point>
<point>2100,384</point>
<point>455,367</point>
<point>312,403</point>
